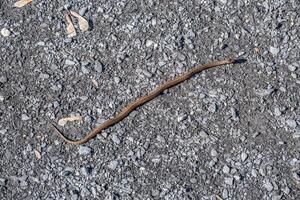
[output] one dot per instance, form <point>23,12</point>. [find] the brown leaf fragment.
<point>70,27</point>
<point>83,23</point>
<point>37,154</point>
<point>95,83</point>
<point>63,121</point>
<point>22,3</point>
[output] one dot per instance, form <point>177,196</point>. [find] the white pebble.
<point>113,165</point>
<point>70,62</point>
<point>291,123</point>
<point>212,107</point>
<point>226,169</point>
<point>149,43</point>
<point>5,32</point>
<point>214,153</point>
<point>292,68</point>
<point>117,80</point>
<point>25,117</point>
<point>229,181</point>
<point>274,50</point>
<point>84,150</point>
<point>244,156</point>
<point>1,97</point>
<point>277,112</point>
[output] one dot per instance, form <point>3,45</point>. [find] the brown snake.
<point>140,101</point>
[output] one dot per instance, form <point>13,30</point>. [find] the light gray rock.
<point>70,62</point>
<point>277,112</point>
<point>229,181</point>
<point>212,107</point>
<point>113,164</point>
<point>84,150</point>
<point>244,156</point>
<point>5,32</point>
<point>213,153</point>
<point>1,97</point>
<point>98,66</point>
<point>115,138</point>
<point>274,50</point>
<point>226,169</point>
<point>117,80</point>
<point>25,117</point>
<point>268,185</point>
<point>160,139</point>
<point>291,123</point>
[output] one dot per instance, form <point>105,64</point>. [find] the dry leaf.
<point>70,27</point>
<point>37,154</point>
<point>95,83</point>
<point>218,197</point>
<point>22,3</point>
<point>63,121</point>
<point>83,23</point>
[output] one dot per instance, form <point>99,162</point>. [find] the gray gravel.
<point>231,132</point>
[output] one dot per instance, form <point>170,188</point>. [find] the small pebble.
<point>117,80</point>
<point>268,185</point>
<point>286,190</point>
<point>84,150</point>
<point>296,176</point>
<point>1,97</point>
<point>67,171</point>
<point>193,180</point>
<point>229,181</point>
<point>41,43</point>
<point>234,113</point>
<point>5,32</point>
<point>211,163</point>
<point>115,138</point>
<point>86,170</point>
<point>265,92</point>
<point>98,66</point>
<point>292,68</point>
<point>70,62</point>
<point>85,70</point>
<point>226,169</point>
<point>244,156</point>
<point>212,107</point>
<point>23,184</point>
<point>181,56</point>
<point>25,117</point>
<point>225,193</point>
<point>297,133</point>
<point>277,112</point>
<point>82,11</point>
<point>3,181</point>
<point>147,73</point>
<point>149,43</point>
<point>203,134</point>
<point>291,123</point>
<point>213,153</point>
<point>113,165</point>
<point>155,193</point>
<point>274,50</point>
<point>3,79</point>
<point>160,139</point>
<point>181,117</point>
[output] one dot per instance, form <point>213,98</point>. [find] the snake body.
<point>142,100</point>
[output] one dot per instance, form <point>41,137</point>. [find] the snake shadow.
<point>240,61</point>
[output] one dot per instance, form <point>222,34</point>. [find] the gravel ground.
<point>231,132</point>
